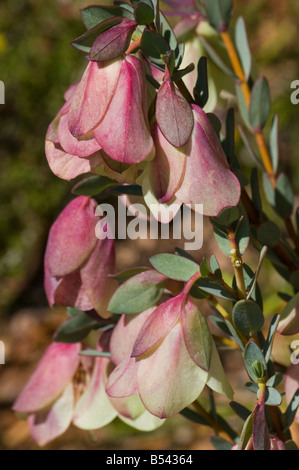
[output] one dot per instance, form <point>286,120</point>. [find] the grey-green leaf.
<point>247,316</point>
<point>260,104</point>
<point>242,46</point>
<point>174,266</point>
<point>138,293</point>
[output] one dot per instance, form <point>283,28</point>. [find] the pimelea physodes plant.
<point>142,122</point>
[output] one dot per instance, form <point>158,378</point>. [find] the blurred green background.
<point>37,64</point>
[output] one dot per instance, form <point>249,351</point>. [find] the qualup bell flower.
<point>197,173</point>
<point>167,357</point>
<point>67,388</point>
<point>78,264</point>
<point>106,110</point>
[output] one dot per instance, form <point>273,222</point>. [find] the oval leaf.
<point>138,293</point>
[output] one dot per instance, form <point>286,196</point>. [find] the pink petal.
<point>167,168</point>
<point>125,333</point>
<point>158,325</point>
<point>169,380</point>
<point>70,292</point>
<point>124,132</point>
<point>207,179</point>
<point>92,96</point>
<point>197,336</point>
<point>96,276</point>
<point>72,237</point>
<point>129,407</point>
<point>122,381</point>
<point>94,409</point>
<point>140,80</point>
<point>162,212</point>
<point>80,148</point>
<point>46,425</point>
<point>53,373</point>
<point>66,166</point>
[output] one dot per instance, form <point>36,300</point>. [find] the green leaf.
<point>144,13</point>
<point>255,190</point>
<point>234,334</point>
<point>76,328</point>
<point>274,380</point>
<point>291,309</point>
<point>174,266</point>
<point>268,234</point>
<point>246,432</point>
<point>291,410</point>
<point>267,348</point>
<point>204,268</point>
<point>260,104</point>
<point>215,57</point>
<point>193,416</point>
<point>180,252</point>
<point>220,444</point>
<point>137,294</point>
<point>240,410</point>
<point>167,32</point>
<point>126,274</point>
<point>227,217</point>
<point>228,143</point>
<point>130,189</point>
<point>86,40</point>
<point>214,266</point>
<point>284,198</point>
<point>247,316</point>
<point>273,143</point>
<point>251,354</point>
<point>215,287</point>
<point>92,185</point>
<point>201,89</point>
<point>272,397</point>
<point>242,46</point>
<point>240,227</point>
<point>249,149</point>
<point>243,106</point>
<point>253,284</point>
<point>154,46</point>
<point>269,191</point>
<point>95,14</point>
<point>219,13</point>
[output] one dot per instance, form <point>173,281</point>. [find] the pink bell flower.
<point>197,173</point>
<point>78,264</point>
<point>167,356</point>
<point>106,110</point>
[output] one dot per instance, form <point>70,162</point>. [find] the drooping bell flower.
<point>124,131</point>
<point>197,173</point>
<point>77,263</point>
<point>106,110</point>
<point>169,359</point>
<point>68,388</point>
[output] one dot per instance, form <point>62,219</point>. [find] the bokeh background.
<point>37,64</point>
